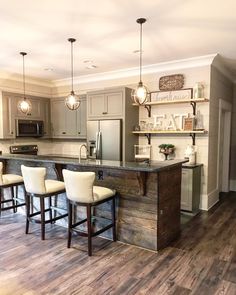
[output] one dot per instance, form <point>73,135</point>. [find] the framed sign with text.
<point>174,95</point>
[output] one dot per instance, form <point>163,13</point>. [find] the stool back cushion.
<point>1,168</point>
<point>79,185</point>
<point>34,179</point>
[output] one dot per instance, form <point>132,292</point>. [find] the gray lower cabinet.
<point>67,123</point>
<point>191,187</point>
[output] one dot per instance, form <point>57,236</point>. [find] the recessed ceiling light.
<point>89,64</point>
<point>91,67</point>
<point>48,69</point>
<point>137,51</point>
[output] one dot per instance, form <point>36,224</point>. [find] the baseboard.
<point>232,185</point>
<point>209,200</point>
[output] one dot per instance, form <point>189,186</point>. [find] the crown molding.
<point>30,80</point>
<point>219,64</point>
<point>193,62</point>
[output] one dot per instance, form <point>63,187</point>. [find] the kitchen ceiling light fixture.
<point>24,105</point>
<point>72,101</point>
<point>140,94</point>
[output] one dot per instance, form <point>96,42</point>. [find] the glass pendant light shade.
<point>140,94</point>
<point>24,105</point>
<point>72,101</point>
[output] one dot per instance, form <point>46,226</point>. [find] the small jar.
<point>198,90</point>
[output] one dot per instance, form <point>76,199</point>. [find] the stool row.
<point>80,191</point>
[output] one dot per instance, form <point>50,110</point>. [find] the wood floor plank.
<point>202,261</point>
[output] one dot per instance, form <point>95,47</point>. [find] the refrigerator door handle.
<point>99,145</point>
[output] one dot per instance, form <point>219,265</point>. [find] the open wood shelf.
<point>170,132</point>
<point>195,100</point>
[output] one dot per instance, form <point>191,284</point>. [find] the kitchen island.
<point>148,207</point>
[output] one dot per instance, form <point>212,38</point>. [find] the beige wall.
<point>220,88</point>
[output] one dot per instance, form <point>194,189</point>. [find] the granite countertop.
<point>154,166</point>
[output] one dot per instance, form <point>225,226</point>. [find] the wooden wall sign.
<point>171,82</point>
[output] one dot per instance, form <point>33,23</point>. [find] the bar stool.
<point>10,181</point>
<point>81,192</point>
<point>37,186</point>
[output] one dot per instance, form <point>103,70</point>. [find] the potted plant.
<point>166,149</point>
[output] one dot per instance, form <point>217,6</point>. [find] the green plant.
<point>166,146</point>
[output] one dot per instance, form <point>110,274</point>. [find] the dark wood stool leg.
<point>89,225</point>
<point>69,224</point>
<point>16,194</point>
<point>113,209</point>
<point>12,199</point>
<point>50,211</point>
<point>1,191</point>
<point>42,210</point>
<point>27,203</point>
<point>55,205</point>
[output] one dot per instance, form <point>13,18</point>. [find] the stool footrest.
<point>33,220</point>
<point>12,207</point>
<point>85,234</point>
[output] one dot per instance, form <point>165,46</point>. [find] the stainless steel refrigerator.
<point>104,139</point>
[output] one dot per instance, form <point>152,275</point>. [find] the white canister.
<point>198,90</point>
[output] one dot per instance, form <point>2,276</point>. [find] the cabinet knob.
<point>104,113</point>
<point>12,132</point>
<point>78,132</point>
<point>29,114</point>
<point>63,132</point>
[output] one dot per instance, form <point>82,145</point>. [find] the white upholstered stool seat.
<point>37,186</point>
<point>53,186</point>
<point>10,181</point>
<point>101,193</point>
<point>80,191</point>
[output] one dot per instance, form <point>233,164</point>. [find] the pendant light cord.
<point>140,49</point>
<point>23,65</point>
<point>72,68</point>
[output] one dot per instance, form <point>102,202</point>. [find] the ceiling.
<point>107,33</point>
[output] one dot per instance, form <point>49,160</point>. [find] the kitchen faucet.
<point>80,149</point>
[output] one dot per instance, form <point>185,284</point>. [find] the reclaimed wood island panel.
<point>148,207</point>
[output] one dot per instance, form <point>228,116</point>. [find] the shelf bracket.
<point>148,107</point>
<point>148,135</point>
<point>193,135</point>
<point>193,104</point>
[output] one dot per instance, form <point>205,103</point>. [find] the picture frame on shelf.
<point>189,124</point>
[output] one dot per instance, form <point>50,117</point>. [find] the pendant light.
<point>24,105</point>
<point>141,93</point>
<point>72,100</point>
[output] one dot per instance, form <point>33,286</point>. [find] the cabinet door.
<point>63,120</point>
<point>71,128</point>
<point>35,112</point>
<point>96,105</point>
<point>114,104</point>
<point>9,117</point>
<point>81,120</point>
<point>186,190</point>
<point>58,118</point>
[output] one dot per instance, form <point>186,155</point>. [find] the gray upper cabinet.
<point>108,104</point>
<point>9,113</point>
<point>67,123</point>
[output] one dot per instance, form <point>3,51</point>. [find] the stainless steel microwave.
<point>29,128</point>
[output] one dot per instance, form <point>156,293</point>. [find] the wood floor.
<point>202,261</point>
